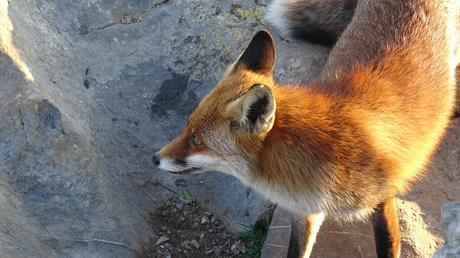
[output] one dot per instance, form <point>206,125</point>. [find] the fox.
<point>348,142</point>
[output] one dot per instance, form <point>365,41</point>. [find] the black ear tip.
<point>259,56</point>
<point>266,37</point>
<point>263,34</point>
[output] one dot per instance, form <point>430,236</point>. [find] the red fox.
<point>354,138</point>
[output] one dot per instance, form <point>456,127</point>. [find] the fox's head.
<point>226,131</point>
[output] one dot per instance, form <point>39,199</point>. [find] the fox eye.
<point>195,140</point>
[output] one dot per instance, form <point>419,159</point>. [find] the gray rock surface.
<point>89,91</point>
<point>450,218</point>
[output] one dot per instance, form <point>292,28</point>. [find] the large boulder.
<point>89,91</point>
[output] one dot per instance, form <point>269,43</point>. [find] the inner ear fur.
<point>254,111</point>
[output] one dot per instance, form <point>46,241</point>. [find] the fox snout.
<point>174,166</point>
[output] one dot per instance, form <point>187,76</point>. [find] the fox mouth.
<point>185,172</point>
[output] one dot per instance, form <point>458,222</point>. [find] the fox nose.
<point>156,159</point>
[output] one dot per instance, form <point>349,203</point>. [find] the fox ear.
<point>259,56</point>
<point>253,112</point>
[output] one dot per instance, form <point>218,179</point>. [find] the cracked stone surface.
<point>450,218</point>
<point>90,89</point>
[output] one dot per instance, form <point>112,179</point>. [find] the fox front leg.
<point>386,230</point>
<point>312,224</point>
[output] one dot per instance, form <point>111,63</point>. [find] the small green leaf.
<point>186,196</point>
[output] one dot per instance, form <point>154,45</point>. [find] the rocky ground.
<point>186,229</point>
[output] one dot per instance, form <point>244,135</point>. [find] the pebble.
<point>161,240</point>
<point>217,251</point>
<point>204,220</point>
<point>181,219</point>
<point>195,244</point>
<point>195,225</point>
<point>185,244</point>
<point>238,248</point>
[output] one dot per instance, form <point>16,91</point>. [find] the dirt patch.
<point>187,229</point>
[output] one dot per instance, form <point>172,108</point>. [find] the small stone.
<point>238,248</point>
<point>195,244</point>
<point>208,252</point>
<point>204,220</point>
<point>217,251</point>
<point>180,182</point>
<point>164,228</point>
<point>185,244</point>
<point>161,240</point>
<point>168,256</point>
<point>207,214</point>
<point>181,219</point>
<point>213,219</point>
<point>202,236</point>
<point>195,225</point>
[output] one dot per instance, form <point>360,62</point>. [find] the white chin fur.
<point>276,15</point>
<point>203,161</point>
<point>235,166</point>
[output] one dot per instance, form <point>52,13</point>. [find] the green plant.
<point>254,238</point>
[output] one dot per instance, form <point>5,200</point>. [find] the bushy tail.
<point>318,21</point>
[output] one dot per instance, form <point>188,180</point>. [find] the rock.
<point>161,240</point>
<point>204,220</point>
<point>238,248</point>
<point>195,243</point>
<point>179,205</point>
<point>181,219</point>
<point>185,244</point>
<point>217,251</point>
<point>450,218</point>
<point>195,225</point>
